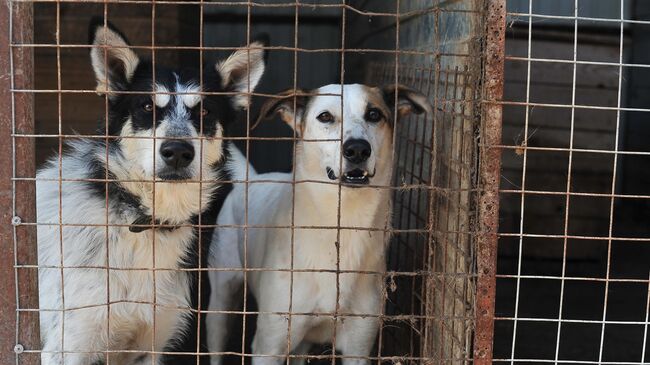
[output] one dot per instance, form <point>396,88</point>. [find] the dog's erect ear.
<point>289,104</point>
<point>113,62</point>
<point>408,100</point>
<point>242,71</point>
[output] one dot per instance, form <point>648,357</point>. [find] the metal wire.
<point>553,328</point>
<point>430,282</point>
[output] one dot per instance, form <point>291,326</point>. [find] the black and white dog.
<point>112,249</point>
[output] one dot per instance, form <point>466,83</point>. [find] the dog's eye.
<point>147,107</point>
<point>325,117</point>
<point>374,115</point>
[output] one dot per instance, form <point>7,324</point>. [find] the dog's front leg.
<point>226,296</point>
<point>271,337</point>
<point>226,283</point>
<point>356,338</point>
<point>80,333</point>
<point>301,351</point>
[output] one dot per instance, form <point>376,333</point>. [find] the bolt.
<point>16,221</point>
<point>19,349</point>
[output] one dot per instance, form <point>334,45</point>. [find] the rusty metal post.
<point>18,287</point>
<point>489,175</point>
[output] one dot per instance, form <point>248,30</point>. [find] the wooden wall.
<point>551,83</point>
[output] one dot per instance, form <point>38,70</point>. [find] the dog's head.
<point>147,102</point>
<point>363,119</point>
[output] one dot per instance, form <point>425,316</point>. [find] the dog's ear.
<point>242,71</point>
<point>408,100</point>
<point>289,104</point>
<point>113,62</point>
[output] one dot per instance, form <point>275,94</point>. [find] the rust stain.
<point>489,175</point>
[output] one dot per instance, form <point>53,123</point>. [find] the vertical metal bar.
<point>522,202</point>
<point>199,273</point>
<point>614,182</point>
<point>296,24</point>
<point>647,312</point>
<point>17,242</point>
<point>567,208</point>
<point>489,175</point>
<point>337,307</point>
<point>154,301</point>
<point>60,141</point>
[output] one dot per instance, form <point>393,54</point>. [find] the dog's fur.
<point>314,203</point>
<point>107,297</point>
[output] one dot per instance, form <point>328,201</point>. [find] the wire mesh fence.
<point>573,271</point>
<point>438,246</point>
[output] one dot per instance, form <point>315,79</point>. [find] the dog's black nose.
<point>356,150</point>
<point>177,154</point>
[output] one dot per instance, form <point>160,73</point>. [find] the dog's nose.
<point>177,154</point>
<point>356,150</point>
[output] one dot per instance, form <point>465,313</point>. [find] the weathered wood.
<point>561,74</point>
<point>547,136</point>
<point>15,280</point>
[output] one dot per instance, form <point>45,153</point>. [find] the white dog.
<point>107,296</point>
<point>366,127</point>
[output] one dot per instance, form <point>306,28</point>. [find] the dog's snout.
<point>177,154</point>
<point>356,150</point>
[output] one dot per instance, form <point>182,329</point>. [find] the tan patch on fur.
<point>409,101</point>
<point>285,107</point>
<point>376,99</point>
<point>175,201</point>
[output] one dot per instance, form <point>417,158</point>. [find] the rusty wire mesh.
<point>436,47</point>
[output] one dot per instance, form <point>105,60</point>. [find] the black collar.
<point>146,222</point>
<point>125,200</point>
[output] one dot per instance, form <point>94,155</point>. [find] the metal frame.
<point>460,99</point>
<point>490,176</point>
<point>577,30</point>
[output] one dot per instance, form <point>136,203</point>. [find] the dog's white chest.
<point>349,252</point>
<point>148,268</point>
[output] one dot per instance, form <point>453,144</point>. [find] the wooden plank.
<point>22,329</point>
<point>560,94</point>
<point>556,117</point>
<point>545,136</point>
<point>583,181</point>
<point>561,74</point>
<point>558,161</point>
<point>562,50</point>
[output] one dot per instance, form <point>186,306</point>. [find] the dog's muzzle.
<point>356,152</point>
<point>354,177</point>
<point>177,155</point>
